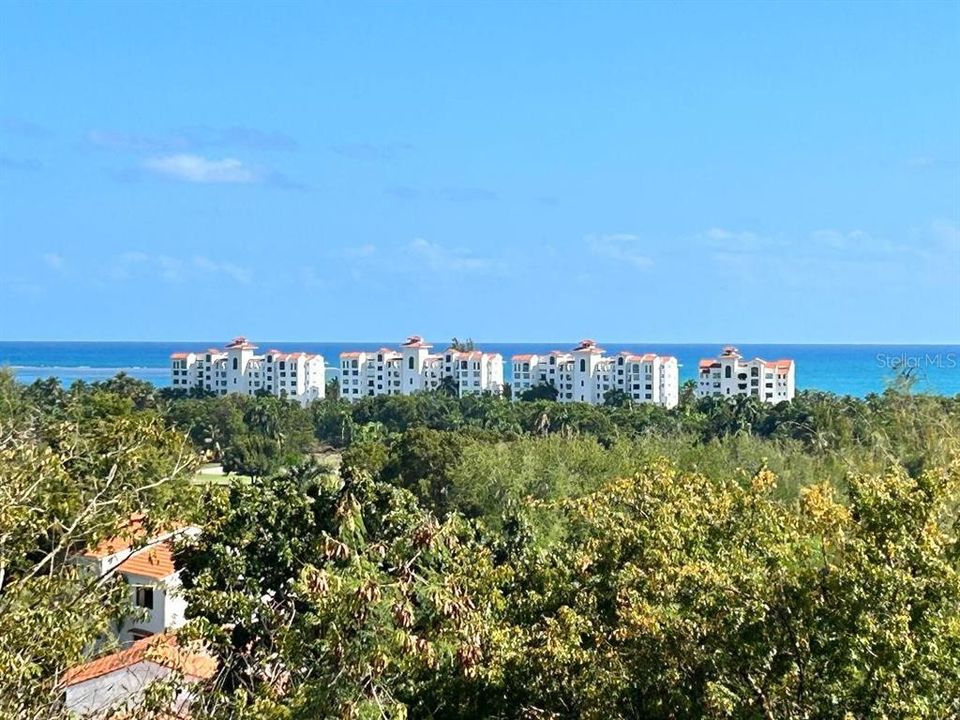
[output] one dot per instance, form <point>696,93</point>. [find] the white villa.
<point>236,369</point>
<point>729,375</point>
<point>584,374</point>
<point>147,566</point>
<point>413,367</point>
<point>148,650</point>
<point>115,685</point>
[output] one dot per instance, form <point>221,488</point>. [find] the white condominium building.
<point>413,367</point>
<point>236,369</point>
<point>585,374</point>
<point>772,381</point>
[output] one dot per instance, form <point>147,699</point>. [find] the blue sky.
<point>677,172</point>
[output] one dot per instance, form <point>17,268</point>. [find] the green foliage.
<point>542,391</point>
<point>476,557</point>
<point>74,467</point>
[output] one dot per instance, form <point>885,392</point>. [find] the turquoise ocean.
<point>843,369</point>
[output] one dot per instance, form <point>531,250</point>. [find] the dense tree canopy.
<point>475,557</point>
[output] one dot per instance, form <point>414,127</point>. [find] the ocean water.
<point>843,369</point>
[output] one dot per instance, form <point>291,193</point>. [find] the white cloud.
<point>360,251</point>
<point>197,169</point>
<point>234,272</point>
<point>622,247</point>
<point>173,269</point>
<point>54,261</point>
<point>440,259</point>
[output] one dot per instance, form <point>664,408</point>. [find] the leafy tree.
<point>332,389</point>
<point>448,386</point>
<point>462,345</point>
<point>68,480</point>
<point>615,397</point>
<point>543,391</point>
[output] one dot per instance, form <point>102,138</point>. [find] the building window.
<point>235,363</point>
<point>583,365</point>
<point>143,597</point>
<point>728,372</point>
<point>410,362</point>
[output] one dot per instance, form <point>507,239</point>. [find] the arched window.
<point>728,371</point>
<point>410,362</point>
<point>234,363</point>
<point>583,365</point>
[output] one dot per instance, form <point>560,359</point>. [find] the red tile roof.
<point>158,649</point>
<point>155,562</point>
<point>179,355</point>
<point>415,341</point>
<point>779,364</point>
<point>130,534</point>
<point>240,342</point>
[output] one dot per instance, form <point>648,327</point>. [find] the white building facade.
<point>115,685</point>
<point>585,374</point>
<point>412,368</point>
<point>730,375</point>
<point>237,369</point>
<point>157,603</point>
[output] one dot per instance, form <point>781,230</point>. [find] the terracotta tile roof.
<point>154,562</point>
<point>588,344</point>
<point>779,364</point>
<point>708,363</point>
<point>179,355</point>
<point>350,354</point>
<point>524,358</point>
<point>126,537</point>
<point>415,341</point>
<point>646,357</point>
<point>131,534</point>
<point>240,342</point>
<point>158,649</point>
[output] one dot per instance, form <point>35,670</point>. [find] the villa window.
<point>410,363</point>
<point>235,363</point>
<point>143,597</point>
<point>583,365</point>
<point>728,372</point>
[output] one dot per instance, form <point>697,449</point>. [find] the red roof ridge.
<point>162,649</point>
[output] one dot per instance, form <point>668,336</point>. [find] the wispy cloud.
<point>193,138</point>
<point>174,270</point>
<point>370,151</point>
<point>23,128</point>
<point>54,261</point>
<point>467,194</point>
<point>622,247</point>
<point>234,272</point>
<point>133,263</point>
<point>360,251</point>
<point>931,251</point>
<point>925,162</point>
<point>197,169</point>
<point>402,192</point>
<point>18,164</point>
<point>441,259</point>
